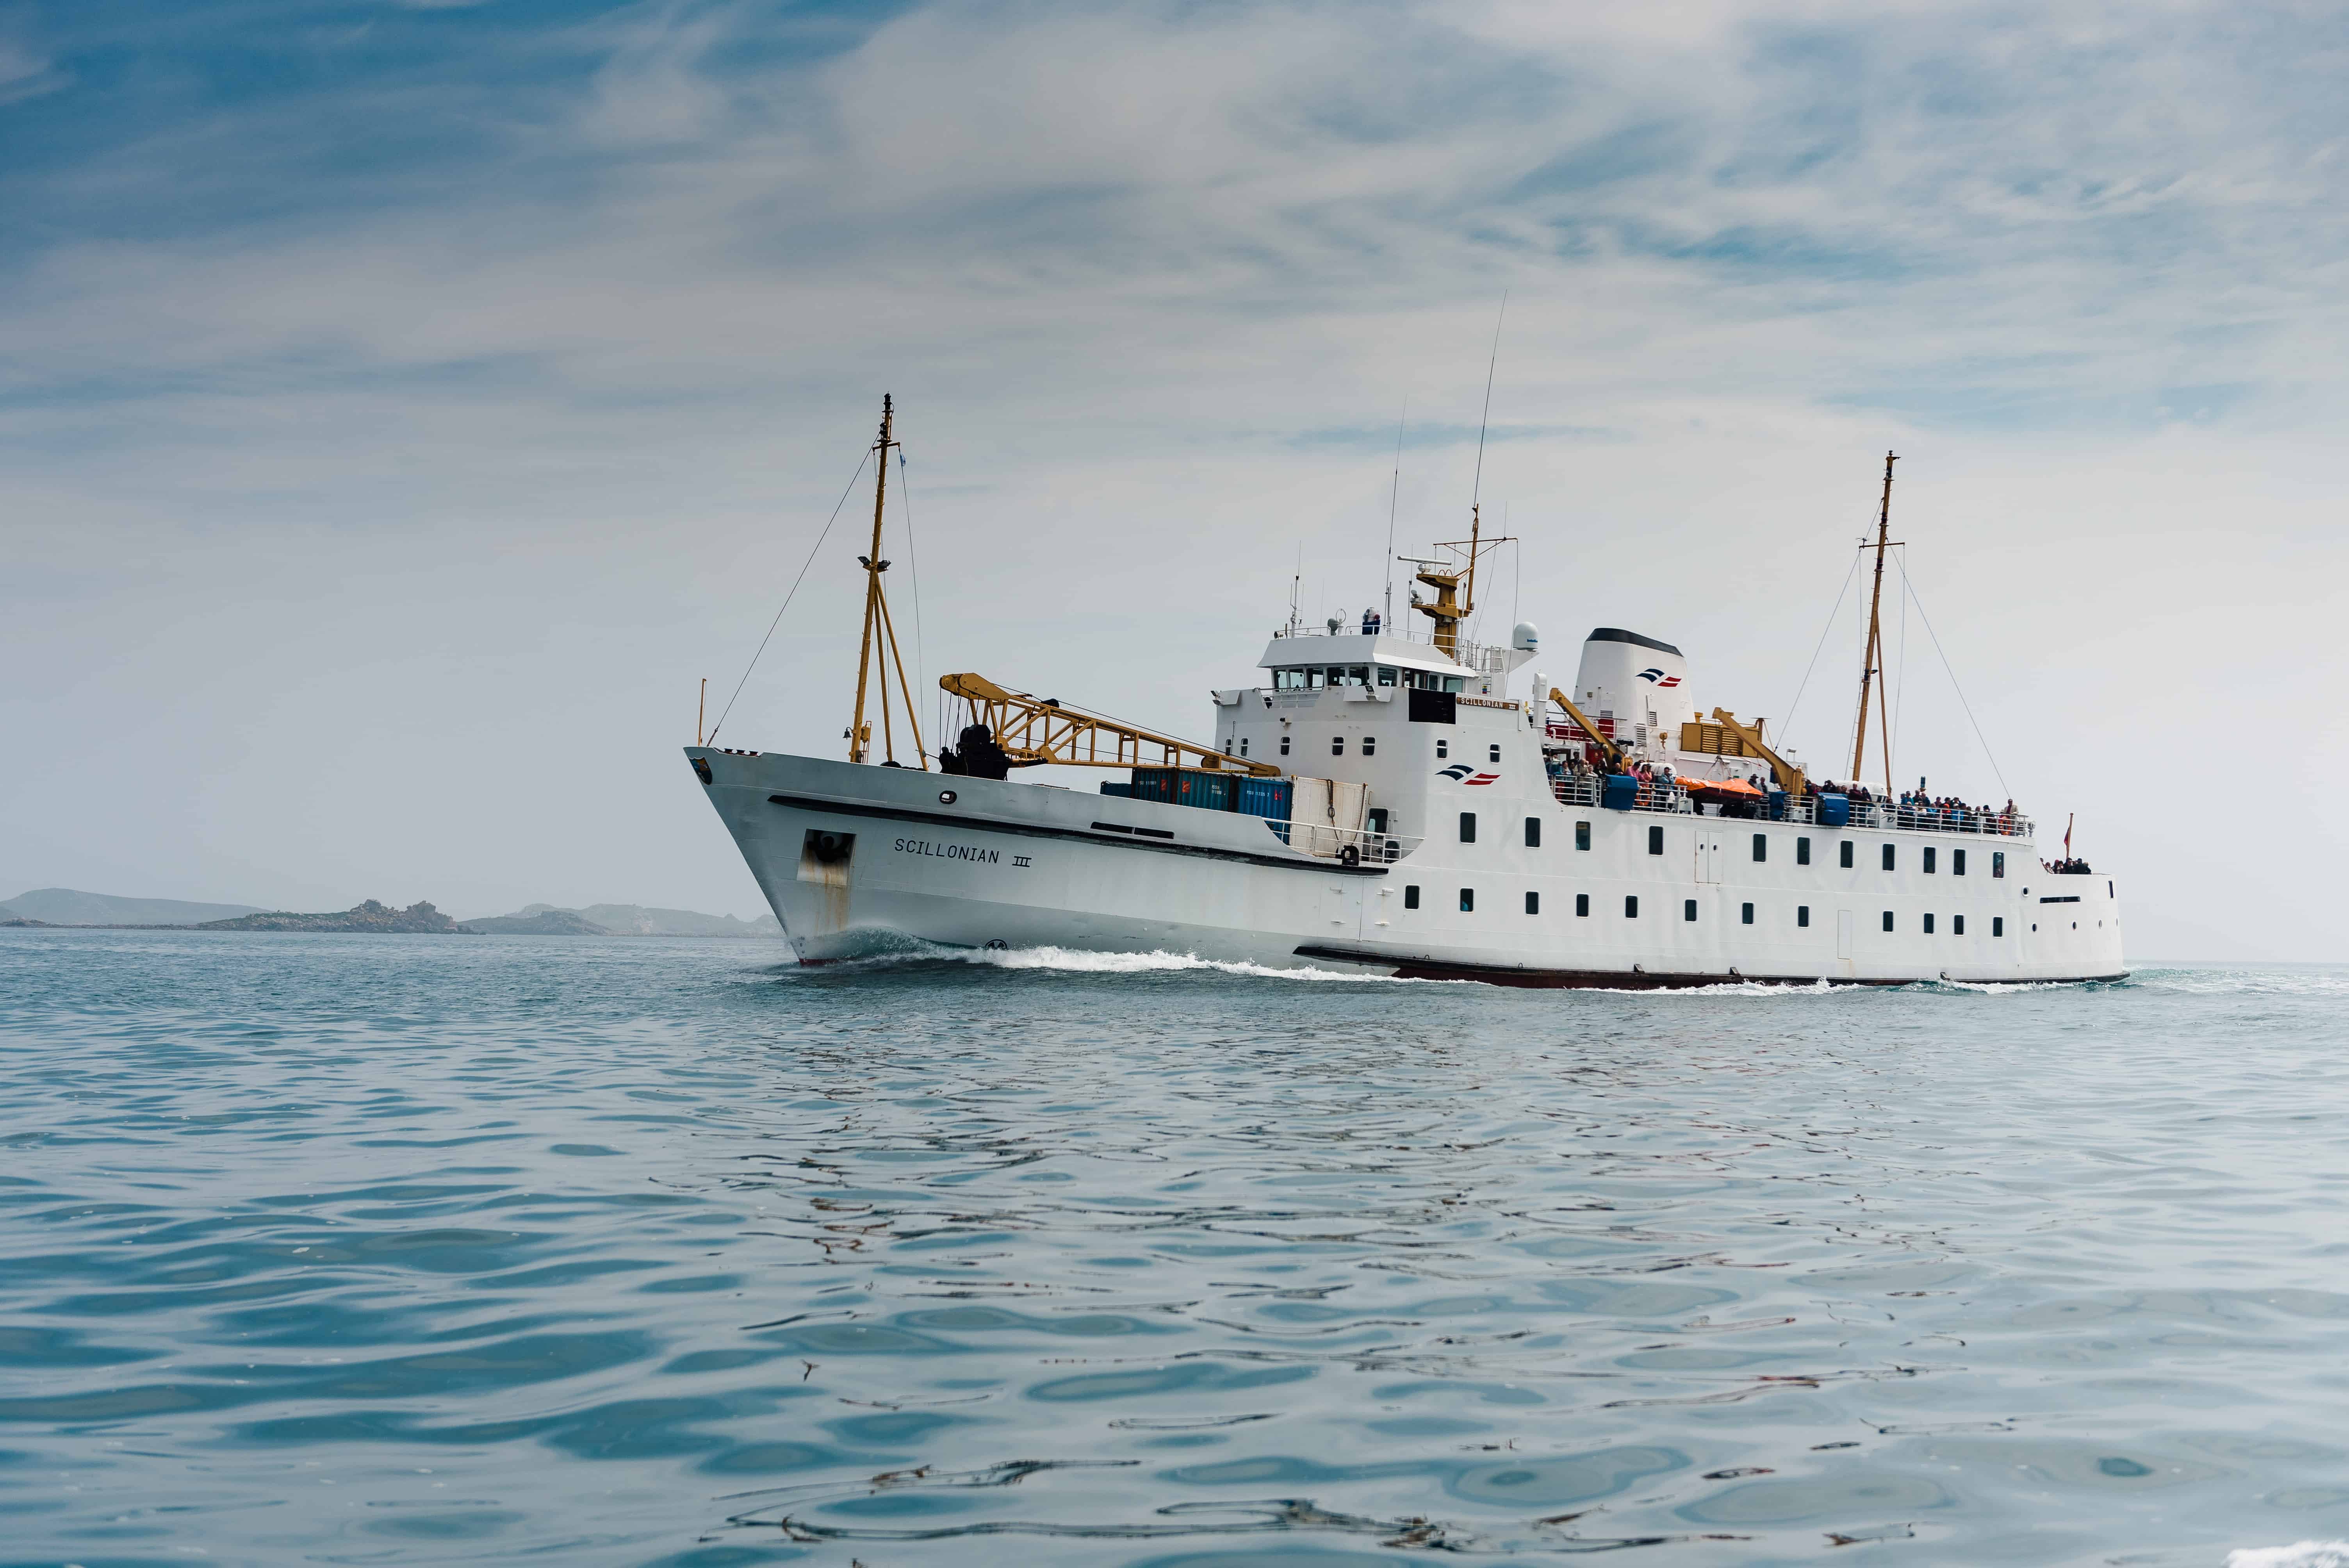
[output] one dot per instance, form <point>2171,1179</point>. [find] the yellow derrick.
<point>1789,777</point>
<point>1608,748</point>
<point>1035,730</point>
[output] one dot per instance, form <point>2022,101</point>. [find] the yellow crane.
<point>1607,748</point>
<point>1033,730</point>
<point>1789,777</point>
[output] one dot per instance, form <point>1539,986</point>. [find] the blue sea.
<point>436,1250</point>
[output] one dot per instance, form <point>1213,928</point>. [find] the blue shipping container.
<point>1268,798</point>
<point>1153,784</point>
<point>1110,788</point>
<point>1207,791</point>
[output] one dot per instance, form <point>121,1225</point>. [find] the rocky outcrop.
<point>370,916</point>
<point>536,922</point>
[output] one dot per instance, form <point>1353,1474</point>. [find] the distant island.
<point>368,916</point>
<point>69,907</point>
<point>619,920</point>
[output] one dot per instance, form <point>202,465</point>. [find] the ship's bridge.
<point>1303,660</point>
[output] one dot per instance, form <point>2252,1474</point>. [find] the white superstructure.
<point>1433,825</point>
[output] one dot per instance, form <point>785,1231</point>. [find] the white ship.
<point>1391,801</point>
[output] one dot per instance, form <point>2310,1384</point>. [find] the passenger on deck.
<point>1370,623</point>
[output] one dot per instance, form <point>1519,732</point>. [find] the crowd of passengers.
<point>1662,788</point>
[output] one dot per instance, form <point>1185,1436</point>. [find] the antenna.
<point>1476,489</point>
<point>1394,494</point>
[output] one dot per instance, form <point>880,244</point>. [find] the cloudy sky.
<point>406,406</point>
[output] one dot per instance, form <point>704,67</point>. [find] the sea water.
<point>439,1250</point>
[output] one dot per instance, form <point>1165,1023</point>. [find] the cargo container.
<point>1268,797</point>
<point>1194,786</point>
<point>1112,789</point>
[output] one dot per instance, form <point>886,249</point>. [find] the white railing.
<point>1325,842</point>
<point>1478,658</point>
<point>1671,799</point>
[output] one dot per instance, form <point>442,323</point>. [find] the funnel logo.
<point>1657,677</point>
<point>1461,773</point>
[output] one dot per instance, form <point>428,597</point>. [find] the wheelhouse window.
<point>1313,680</point>
<point>1358,674</point>
<point>1386,676</point>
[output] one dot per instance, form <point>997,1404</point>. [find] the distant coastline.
<point>70,909</point>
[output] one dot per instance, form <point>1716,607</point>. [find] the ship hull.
<point>858,860</point>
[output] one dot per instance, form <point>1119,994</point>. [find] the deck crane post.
<point>1034,730</point>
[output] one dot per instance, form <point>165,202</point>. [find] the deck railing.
<point>1668,800</point>
<point>1325,842</point>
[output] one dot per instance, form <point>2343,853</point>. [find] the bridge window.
<point>1887,920</point>
<point>1802,851</point>
<point>1582,903</point>
<point>1747,917</point>
<point>1929,860</point>
<point>1802,914</point>
<point>1410,895</point>
<point>1847,854</point>
<point>1957,862</point>
<point>1655,841</point>
<point>1467,901</point>
<point>1760,849</point>
<point>1370,746</point>
<point>1957,925</point>
<point>1533,832</point>
<point>1533,903</point>
<point>1386,676</point>
<point>1358,674</point>
<point>1631,906</point>
<point>1313,680</point>
<point>1467,827</point>
<point>1455,683</point>
<point>1582,835</point>
<point>1688,909</point>
<point>1337,746</point>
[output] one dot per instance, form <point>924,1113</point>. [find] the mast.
<point>878,649</point>
<point>1871,662</point>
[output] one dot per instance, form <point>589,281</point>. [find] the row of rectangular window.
<point>1314,677</point>
<point>1688,910</point>
<point>1761,847</point>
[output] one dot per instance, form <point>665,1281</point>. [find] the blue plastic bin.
<point>1619,793</point>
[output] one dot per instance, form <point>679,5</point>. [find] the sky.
<point>404,407</point>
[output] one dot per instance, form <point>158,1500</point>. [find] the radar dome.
<point>1525,638</point>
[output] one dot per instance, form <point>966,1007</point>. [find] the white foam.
<point>2299,1555</point>
<point>1081,962</point>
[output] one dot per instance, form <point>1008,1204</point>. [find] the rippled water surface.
<point>407,1250</point>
